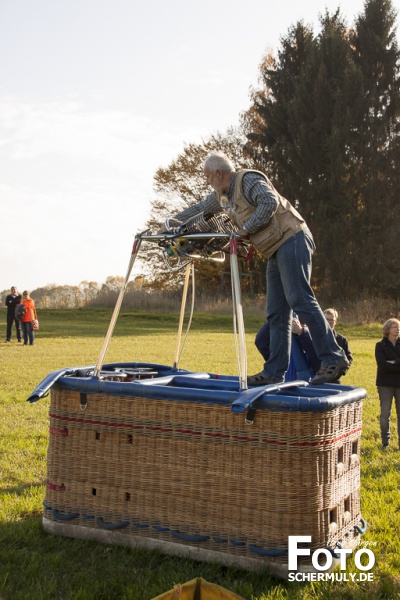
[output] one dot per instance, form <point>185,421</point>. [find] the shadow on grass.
<point>20,489</point>
<point>38,565</point>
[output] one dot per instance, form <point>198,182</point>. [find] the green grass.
<point>38,566</point>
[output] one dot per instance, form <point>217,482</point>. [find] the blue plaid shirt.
<point>257,192</point>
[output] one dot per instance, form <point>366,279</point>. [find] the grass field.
<point>38,566</point>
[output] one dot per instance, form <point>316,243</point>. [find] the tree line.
<point>324,125</point>
<point>140,295</point>
<point>87,293</point>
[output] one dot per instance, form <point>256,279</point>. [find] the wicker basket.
<point>193,478</point>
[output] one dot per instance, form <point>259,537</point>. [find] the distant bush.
<point>143,298</point>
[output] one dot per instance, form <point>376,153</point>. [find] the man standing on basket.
<point>280,234</point>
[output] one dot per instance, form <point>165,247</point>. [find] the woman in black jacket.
<point>387,354</point>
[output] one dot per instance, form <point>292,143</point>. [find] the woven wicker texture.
<point>163,469</point>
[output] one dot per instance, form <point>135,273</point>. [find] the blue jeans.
<point>28,332</point>
<point>386,395</point>
<point>288,288</point>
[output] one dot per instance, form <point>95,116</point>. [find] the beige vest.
<point>284,223</point>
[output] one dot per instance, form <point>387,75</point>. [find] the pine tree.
<point>377,54</point>
<point>300,126</point>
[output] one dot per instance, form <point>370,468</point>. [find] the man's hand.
<point>242,233</point>
<point>297,326</point>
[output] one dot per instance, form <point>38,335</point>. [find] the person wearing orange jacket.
<point>29,315</point>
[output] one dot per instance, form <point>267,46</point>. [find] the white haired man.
<point>281,235</point>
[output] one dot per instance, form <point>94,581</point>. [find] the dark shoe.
<point>262,379</point>
<point>331,373</point>
<point>384,447</point>
<point>7,341</point>
<point>19,341</point>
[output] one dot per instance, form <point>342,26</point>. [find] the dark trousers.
<point>10,320</point>
<point>386,395</point>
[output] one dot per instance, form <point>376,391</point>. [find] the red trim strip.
<point>55,487</point>
<point>55,431</point>
<point>208,433</point>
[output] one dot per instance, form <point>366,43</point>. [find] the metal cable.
<point>178,354</point>
<point>238,322</point>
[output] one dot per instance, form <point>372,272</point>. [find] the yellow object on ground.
<point>198,589</point>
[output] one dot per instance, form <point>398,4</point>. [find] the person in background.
<point>29,316</point>
<point>331,315</point>
<point>304,362</point>
<point>11,302</point>
<point>387,356</point>
<point>303,357</point>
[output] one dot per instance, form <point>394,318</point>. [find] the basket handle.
<point>265,552</point>
<point>64,517</point>
<point>101,523</point>
<point>190,538</point>
<point>247,398</point>
<point>363,528</point>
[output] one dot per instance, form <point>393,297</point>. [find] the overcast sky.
<point>95,96</point>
